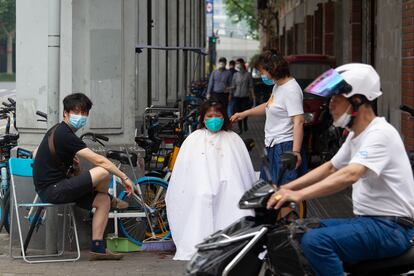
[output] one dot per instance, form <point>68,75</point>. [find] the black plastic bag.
<point>284,250</point>
<point>211,261</point>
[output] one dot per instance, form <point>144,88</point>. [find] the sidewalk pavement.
<point>138,263</point>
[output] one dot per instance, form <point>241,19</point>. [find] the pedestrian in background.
<point>219,83</point>
<point>242,93</point>
<point>233,70</point>
<point>232,67</point>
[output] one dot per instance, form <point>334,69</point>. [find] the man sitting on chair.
<point>58,179</point>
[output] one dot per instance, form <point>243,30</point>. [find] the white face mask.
<point>238,67</point>
<point>343,120</point>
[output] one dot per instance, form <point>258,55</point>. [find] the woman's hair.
<point>77,101</point>
<point>217,106</point>
<point>273,62</point>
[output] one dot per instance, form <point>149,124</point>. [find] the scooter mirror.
<point>257,196</point>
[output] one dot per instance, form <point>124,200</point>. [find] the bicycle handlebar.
<point>407,109</point>
<point>13,102</point>
<point>102,137</point>
<point>95,137</point>
<point>41,114</point>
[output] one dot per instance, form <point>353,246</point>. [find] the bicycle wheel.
<point>137,229</point>
<point>5,212</point>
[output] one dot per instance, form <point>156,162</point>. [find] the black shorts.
<point>77,189</point>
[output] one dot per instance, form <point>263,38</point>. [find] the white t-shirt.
<point>387,188</point>
<point>286,101</point>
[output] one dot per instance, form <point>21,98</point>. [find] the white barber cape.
<point>211,173</point>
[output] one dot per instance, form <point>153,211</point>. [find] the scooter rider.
<point>374,161</point>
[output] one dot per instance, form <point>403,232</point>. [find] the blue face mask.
<point>77,121</point>
<point>214,124</point>
<point>267,81</point>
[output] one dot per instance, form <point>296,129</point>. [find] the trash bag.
<point>284,250</point>
<point>212,260</point>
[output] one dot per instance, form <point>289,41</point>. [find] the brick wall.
<point>329,27</point>
<point>407,71</point>
<point>318,30</point>
<point>309,33</point>
<point>356,31</point>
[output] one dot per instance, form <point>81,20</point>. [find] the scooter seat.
<point>390,266</point>
<point>122,157</point>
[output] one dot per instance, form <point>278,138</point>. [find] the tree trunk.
<point>10,38</point>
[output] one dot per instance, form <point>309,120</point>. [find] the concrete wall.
<point>388,59</point>
<point>174,23</point>
<point>97,57</point>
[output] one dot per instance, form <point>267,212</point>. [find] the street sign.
<point>209,6</point>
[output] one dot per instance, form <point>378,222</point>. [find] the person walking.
<point>219,83</point>
<point>242,92</point>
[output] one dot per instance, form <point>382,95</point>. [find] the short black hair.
<point>232,62</point>
<point>273,62</point>
<point>77,102</point>
<point>240,60</point>
<point>218,106</point>
<point>223,59</point>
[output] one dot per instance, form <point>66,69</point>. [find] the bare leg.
<point>100,179</point>
<point>100,218</point>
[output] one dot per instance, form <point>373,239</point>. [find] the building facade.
<point>89,46</point>
<point>380,33</point>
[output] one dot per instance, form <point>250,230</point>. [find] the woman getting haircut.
<point>212,171</point>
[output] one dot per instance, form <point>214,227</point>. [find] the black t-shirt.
<point>45,170</point>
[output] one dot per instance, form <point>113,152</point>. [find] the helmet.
<point>348,80</point>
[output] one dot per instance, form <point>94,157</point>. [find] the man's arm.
<point>311,177</point>
<point>101,161</point>
<point>334,183</point>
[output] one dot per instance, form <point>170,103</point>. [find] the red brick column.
<point>309,34</point>
<point>318,30</point>
<point>407,71</point>
<point>329,15</point>
<point>356,31</point>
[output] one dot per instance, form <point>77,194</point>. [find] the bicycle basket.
<point>213,257</point>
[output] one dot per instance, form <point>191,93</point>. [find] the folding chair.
<point>21,173</point>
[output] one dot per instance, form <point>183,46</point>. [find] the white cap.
<point>363,78</point>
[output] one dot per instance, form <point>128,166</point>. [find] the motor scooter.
<point>253,244</point>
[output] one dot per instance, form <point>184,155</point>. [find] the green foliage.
<point>243,10</point>
<point>7,17</point>
<point>7,77</point>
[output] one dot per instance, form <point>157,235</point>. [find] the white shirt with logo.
<point>286,101</point>
<point>387,188</point>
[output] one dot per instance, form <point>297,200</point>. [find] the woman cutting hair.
<point>284,115</point>
<point>212,171</point>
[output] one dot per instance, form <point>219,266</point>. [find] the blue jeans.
<point>273,155</point>
<point>353,240</point>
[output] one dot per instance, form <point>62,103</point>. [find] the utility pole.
<point>212,39</point>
